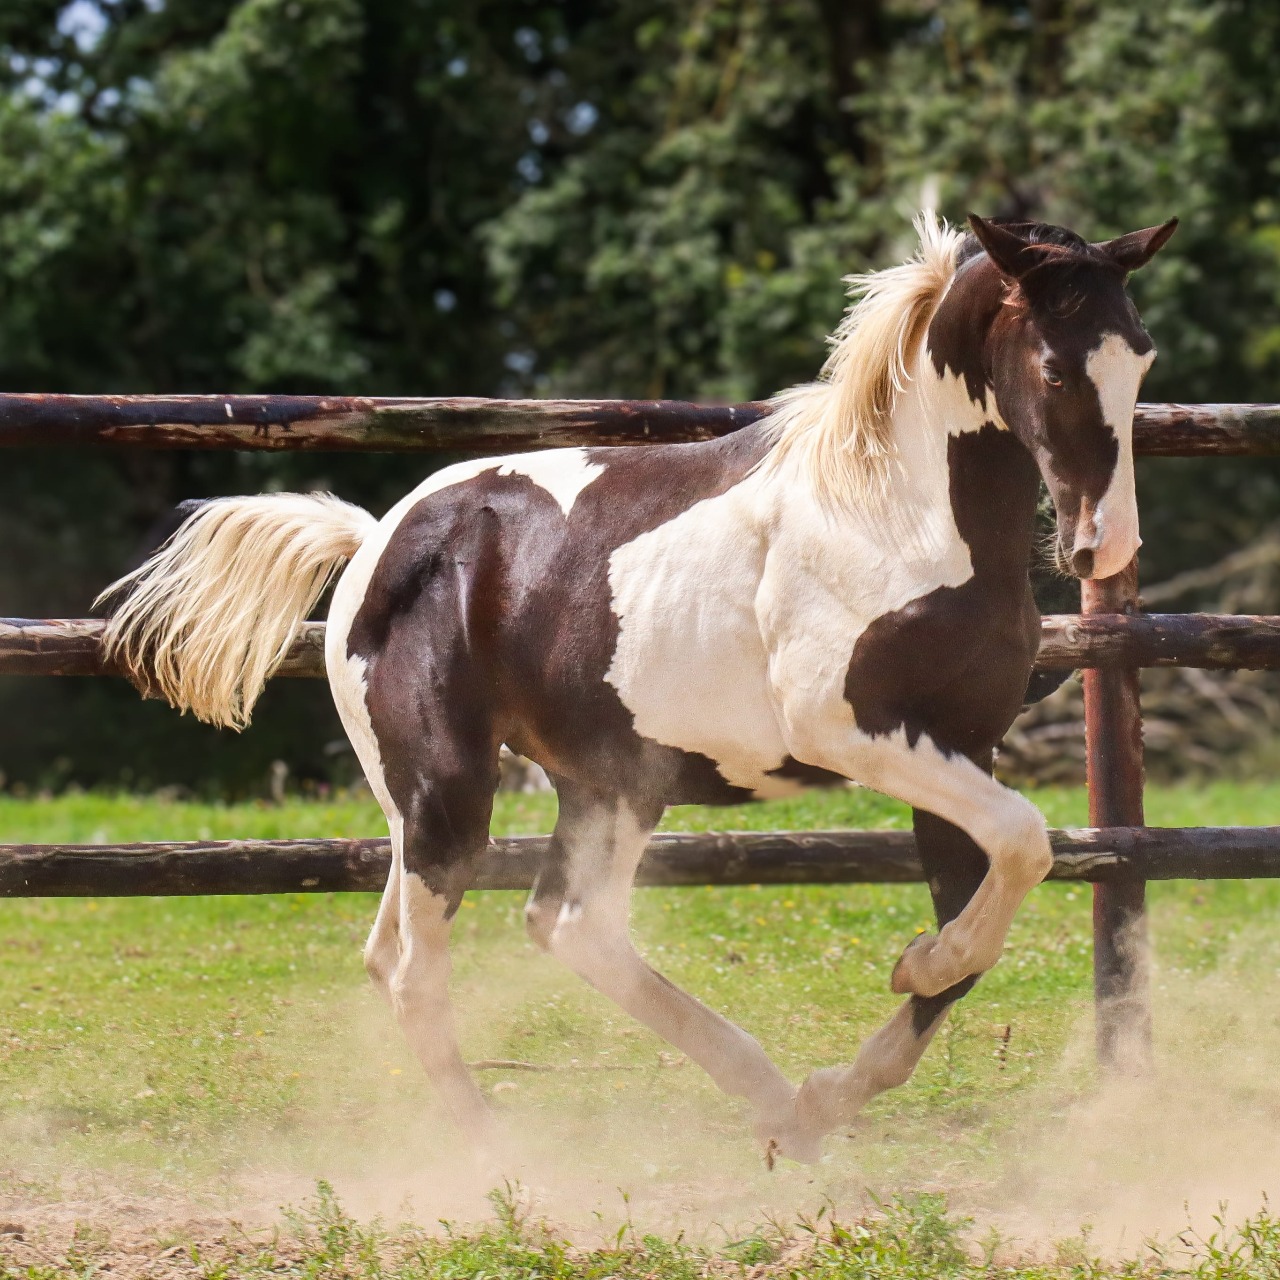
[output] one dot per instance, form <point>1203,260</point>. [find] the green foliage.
<point>704,229</point>
<point>913,1235</point>
<point>269,195</point>
<point>515,196</point>
<point>263,194</point>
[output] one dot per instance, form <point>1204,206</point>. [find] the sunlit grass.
<point>204,1036</point>
<point>119,818</point>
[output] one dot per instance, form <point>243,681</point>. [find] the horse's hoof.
<point>802,1148</point>
<point>788,1140</point>
<point>910,976</point>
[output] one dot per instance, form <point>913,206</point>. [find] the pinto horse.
<point>838,591</point>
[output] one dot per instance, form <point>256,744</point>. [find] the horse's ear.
<point>1012,255</point>
<point>1138,247</point>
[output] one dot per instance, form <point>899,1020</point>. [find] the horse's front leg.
<point>979,877</point>
<point>1004,825</point>
<point>954,867</point>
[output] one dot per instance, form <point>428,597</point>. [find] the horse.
<point>839,591</point>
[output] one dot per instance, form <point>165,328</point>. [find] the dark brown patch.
<point>810,775</point>
<point>422,630</point>
<point>954,664</point>
<point>967,312</point>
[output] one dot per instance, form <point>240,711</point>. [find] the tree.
<point>640,198</point>
<point>214,195</point>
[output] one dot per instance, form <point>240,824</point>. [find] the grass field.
<point>216,1050</point>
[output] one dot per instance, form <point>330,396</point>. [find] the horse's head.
<point>1064,355</point>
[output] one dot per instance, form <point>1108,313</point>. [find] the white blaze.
<point>1116,371</point>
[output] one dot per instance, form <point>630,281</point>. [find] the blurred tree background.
<point>638,198</point>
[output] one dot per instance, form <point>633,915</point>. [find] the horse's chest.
<point>952,664</point>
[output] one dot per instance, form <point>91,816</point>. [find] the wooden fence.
<point>1111,639</point>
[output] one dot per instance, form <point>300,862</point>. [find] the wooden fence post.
<point>1113,742</point>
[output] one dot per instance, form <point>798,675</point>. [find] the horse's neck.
<point>960,475</point>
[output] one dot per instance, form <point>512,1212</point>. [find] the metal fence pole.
<point>1113,741</point>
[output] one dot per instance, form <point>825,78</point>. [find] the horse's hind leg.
<point>446,829</point>
<point>580,911</point>
<point>954,867</point>
<point>382,948</point>
<point>434,770</point>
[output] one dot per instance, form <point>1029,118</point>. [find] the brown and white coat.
<point>840,591</point>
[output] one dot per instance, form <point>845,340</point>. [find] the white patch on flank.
<point>1116,371</point>
<point>690,663</point>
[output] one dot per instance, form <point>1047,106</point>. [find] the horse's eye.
<point>1052,376</point>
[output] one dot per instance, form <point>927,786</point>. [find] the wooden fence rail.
<point>1068,642</point>
<point>471,425</point>
<point>1106,856</point>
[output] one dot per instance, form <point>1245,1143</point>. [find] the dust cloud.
<point>596,1144</point>
<point>1193,1141</point>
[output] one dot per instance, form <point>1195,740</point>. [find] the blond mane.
<point>838,428</point>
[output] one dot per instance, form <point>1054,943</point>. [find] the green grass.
<point>86,818</point>
<point>194,1044</point>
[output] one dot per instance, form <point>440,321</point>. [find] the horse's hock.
<point>1110,639</point>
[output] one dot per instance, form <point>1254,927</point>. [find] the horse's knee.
<point>569,933</point>
<point>1019,845</point>
<point>419,982</point>
<point>584,938</point>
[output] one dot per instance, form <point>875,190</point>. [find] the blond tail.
<point>209,617</point>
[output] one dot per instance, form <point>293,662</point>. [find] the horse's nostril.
<point>1082,564</point>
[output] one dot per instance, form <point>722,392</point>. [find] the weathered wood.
<point>1207,430</point>
<point>715,858</point>
<point>73,647</point>
<point>366,424</point>
<point>475,425</point>
<point>1207,640</point>
<point>1115,775</point>
<point>70,646</point>
<point>51,647</point>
